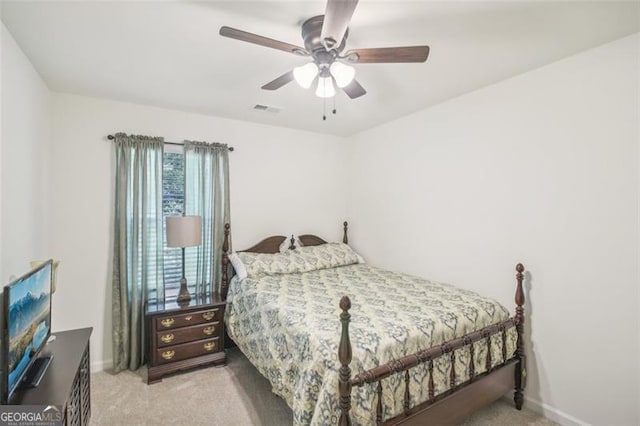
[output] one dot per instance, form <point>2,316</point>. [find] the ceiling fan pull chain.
<point>334,105</point>
<point>324,108</point>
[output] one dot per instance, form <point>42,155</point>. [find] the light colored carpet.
<point>227,396</point>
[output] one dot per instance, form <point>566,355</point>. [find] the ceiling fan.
<point>325,37</point>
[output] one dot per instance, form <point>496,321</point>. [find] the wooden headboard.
<point>268,245</point>
<point>272,244</point>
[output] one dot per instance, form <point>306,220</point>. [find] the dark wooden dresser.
<point>66,383</point>
<point>184,336</point>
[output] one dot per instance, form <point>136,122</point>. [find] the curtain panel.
<point>137,243</point>
<point>206,194</point>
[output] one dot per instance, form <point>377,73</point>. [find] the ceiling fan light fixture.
<point>305,74</point>
<point>325,38</point>
<point>325,88</point>
<point>343,74</point>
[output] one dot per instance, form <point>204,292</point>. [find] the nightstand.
<point>184,336</point>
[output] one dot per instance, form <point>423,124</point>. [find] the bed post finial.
<point>292,243</point>
<point>521,371</point>
<point>345,239</point>
<point>344,356</point>
<point>224,285</point>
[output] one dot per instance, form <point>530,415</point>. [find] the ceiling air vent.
<point>266,108</point>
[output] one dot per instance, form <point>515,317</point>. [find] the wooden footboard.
<point>458,401</point>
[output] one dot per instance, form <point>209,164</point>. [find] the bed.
<point>404,350</point>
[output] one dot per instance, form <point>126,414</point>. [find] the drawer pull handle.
<point>167,322</point>
<point>209,330</point>
<point>188,317</point>
<point>208,316</point>
<point>168,354</point>
<point>209,346</point>
<point>167,338</point>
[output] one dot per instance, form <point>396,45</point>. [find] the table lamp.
<point>184,231</point>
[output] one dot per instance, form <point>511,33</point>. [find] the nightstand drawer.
<point>189,334</point>
<point>187,350</point>
<point>182,320</point>
<point>184,335</point>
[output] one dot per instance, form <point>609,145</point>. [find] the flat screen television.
<point>27,327</point>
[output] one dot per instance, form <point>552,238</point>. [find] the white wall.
<point>542,169</point>
<point>24,163</point>
<point>282,181</point>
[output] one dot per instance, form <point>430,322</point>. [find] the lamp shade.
<point>184,231</point>
<point>325,88</point>
<point>342,73</point>
<point>305,74</point>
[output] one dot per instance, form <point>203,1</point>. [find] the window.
<point>172,205</point>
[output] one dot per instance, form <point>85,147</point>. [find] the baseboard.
<point>101,365</point>
<point>548,411</point>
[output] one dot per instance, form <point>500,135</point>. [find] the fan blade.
<point>279,82</point>
<point>388,55</point>
<point>262,41</point>
<point>337,17</point>
<point>354,90</point>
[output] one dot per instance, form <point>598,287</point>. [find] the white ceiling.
<point>169,54</point>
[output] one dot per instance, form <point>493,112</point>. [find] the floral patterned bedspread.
<point>288,327</point>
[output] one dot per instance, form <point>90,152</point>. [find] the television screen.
<point>28,321</point>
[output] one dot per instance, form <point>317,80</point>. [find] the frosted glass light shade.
<point>342,73</point>
<point>325,88</point>
<point>184,231</point>
<point>305,74</point>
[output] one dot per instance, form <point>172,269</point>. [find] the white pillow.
<point>284,247</point>
<point>238,266</point>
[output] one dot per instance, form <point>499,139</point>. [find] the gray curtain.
<point>137,243</point>
<point>206,194</point>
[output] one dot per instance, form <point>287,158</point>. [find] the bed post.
<point>345,239</point>
<point>224,285</point>
<point>344,356</point>
<point>521,371</point>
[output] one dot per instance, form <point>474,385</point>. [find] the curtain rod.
<point>111,137</point>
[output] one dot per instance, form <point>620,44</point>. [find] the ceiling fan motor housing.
<point>311,34</point>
